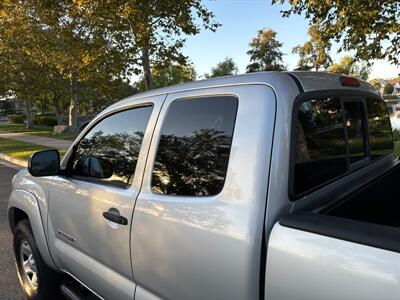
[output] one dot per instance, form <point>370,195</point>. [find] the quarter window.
<point>380,130</point>
<point>110,150</point>
<point>356,139</point>
<point>320,143</point>
<point>333,137</point>
<point>194,147</point>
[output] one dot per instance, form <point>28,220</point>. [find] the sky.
<point>241,19</point>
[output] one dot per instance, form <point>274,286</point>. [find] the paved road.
<point>9,285</point>
<point>38,140</point>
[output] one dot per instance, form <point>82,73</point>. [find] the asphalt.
<point>9,284</point>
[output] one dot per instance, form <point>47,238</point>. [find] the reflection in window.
<point>116,139</point>
<point>194,148</point>
<point>320,143</point>
<point>354,111</point>
<point>380,131</point>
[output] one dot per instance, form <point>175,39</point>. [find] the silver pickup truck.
<point>261,186</point>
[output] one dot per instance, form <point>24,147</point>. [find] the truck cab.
<point>258,186</point>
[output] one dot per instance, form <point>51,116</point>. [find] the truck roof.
<point>307,81</point>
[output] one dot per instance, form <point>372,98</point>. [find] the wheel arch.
<point>24,205</point>
<point>16,215</point>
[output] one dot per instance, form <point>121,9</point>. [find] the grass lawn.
<point>22,128</point>
<point>21,150</point>
<point>61,136</point>
<point>45,131</point>
<point>397,148</point>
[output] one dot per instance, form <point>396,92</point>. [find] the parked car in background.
<point>276,185</point>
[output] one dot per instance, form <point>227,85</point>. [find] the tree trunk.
<point>28,111</point>
<point>73,107</point>
<point>58,111</point>
<point>59,117</point>
<point>42,105</point>
<point>148,78</point>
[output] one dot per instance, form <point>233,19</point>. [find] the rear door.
<point>196,226</point>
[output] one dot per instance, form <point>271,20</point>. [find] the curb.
<point>15,161</point>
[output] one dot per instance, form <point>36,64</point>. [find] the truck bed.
<point>378,202</point>
<point>369,216</point>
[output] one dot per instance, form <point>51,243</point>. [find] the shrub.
<point>45,120</point>
<point>47,114</point>
<point>387,89</point>
<point>17,119</point>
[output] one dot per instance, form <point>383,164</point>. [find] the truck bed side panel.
<point>304,265</point>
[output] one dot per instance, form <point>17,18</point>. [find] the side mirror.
<point>44,163</point>
<point>95,167</point>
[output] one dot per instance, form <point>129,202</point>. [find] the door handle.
<point>113,215</point>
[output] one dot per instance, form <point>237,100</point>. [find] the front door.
<point>90,209</point>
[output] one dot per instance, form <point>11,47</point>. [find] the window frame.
<point>162,123</point>
<point>343,95</point>
<point>366,160</point>
<point>68,171</point>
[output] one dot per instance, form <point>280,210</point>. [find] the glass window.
<point>380,130</point>
<point>193,152</point>
<point>110,150</point>
<point>354,113</point>
<point>320,143</point>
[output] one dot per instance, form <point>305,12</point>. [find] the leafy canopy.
<point>169,75</point>
<point>348,66</point>
<point>265,53</point>
<point>369,27</point>
<point>226,67</point>
<point>314,53</point>
<point>150,33</point>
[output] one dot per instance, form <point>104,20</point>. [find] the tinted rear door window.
<point>193,152</point>
<point>320,143</point>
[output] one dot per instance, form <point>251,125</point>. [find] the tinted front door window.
<point>193,152</point>
<point>110,150</point>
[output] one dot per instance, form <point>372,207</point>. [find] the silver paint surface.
<point>195,240</point>
<point>181,247</point>
<point>99,254</point>
<point>308,266</point>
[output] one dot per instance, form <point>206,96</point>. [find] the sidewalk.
<point>37,140</point>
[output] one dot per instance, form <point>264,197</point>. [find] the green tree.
<point>225,67</point>
<point>151,33</point>
<point>169,75</point>
<point>377,84</point>
<point>370,28</point>
<point>54,92</point>
<point>56,35</point>
<point>98,93</point>
<point>314,53</point>
<point>265,53</point>
<point>387,89</point>
<point>348,66</point>
<point>20,75</point>
<point>77,51</point>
